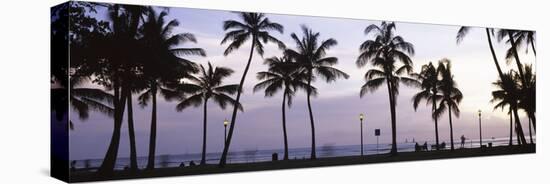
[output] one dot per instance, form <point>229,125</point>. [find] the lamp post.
<point>361,116</point>
<point>480,141</point>
<point>225,123</point>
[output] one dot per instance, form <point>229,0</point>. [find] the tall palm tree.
<point>310,54</point>
<point>429,80</point>
<point>452,96</point>
<point>255,27</point>
<point>508,94</point>
<point>116,53</point>
<point>513,53</point>
<point>208,84</point>
<point>464,30</point>
<point>384,52</point>
<point>282,74</point>
<point>164,66</point>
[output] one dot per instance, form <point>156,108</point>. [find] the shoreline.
<point>83,176</point>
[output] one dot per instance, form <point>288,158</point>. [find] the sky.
<point>337,107</point>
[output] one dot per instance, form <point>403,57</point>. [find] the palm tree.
<point>464,30</point>
<point>163,66</point>
<point>205,86</point>
<point>429,79</point>
<point>512,52</point>
<point>383,52</point>
<point>452,96</point>
<point>255,27</point>
<point>115,53</point>
<point>508,94</point>
<point>310,55</point>
<point>528,98</point>
<point>282,74</point>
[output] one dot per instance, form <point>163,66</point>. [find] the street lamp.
<point>479,115</point>
<point>361,116</point>
<point>225,123</point>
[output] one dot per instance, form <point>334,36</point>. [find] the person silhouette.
<point>462,140</point>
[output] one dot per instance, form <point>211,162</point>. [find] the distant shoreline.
<point>81,176</point>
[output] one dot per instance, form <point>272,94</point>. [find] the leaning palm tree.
<point>255,27</point>
<point>310,54</point>
<point>384,52</point>
<point>163,66</point>
<point>508,94</point>
<point>429,80</point>
<point>452,96</point>
<point>282,74</point>
<point>513,53</point>
<point>208,85</point>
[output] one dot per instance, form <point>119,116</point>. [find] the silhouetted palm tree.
<point>429,79</point>
<point>208,84</point>
<point>384,52</point>
<point>512,53</point>
<point>310,55</point>
<point>114,58</point>
<point>254,27</point>
<point>508,94</point>
<point>463,31</point>
<point>282,74</point>
<point>163,66</point>
<point>452,96</point>
<point>528,98</point>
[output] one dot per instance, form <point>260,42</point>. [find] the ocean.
<point>248,156</point>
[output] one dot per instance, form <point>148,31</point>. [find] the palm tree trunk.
<point>434,107</point>
<point>531,115</point>
<point>313,154</point>
<point>530,134</point>
<point>517,134</point>
<point>131,133</point>
<point>451,126</point>
<point>393,150</point>
<point>510,141</point>
<point>153,138</point>
<point>203,157</point>
<point>108,164</point>
<point>493,52</point>
<point>516,56</point>
<point>223,159</point>
<point>519,129</point>
<point>284,126</point>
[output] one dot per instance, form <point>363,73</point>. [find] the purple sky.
<point>338,105</point>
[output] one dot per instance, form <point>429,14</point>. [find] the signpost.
<point>377,134</point>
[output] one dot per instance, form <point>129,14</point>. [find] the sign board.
<point>377,132</point>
